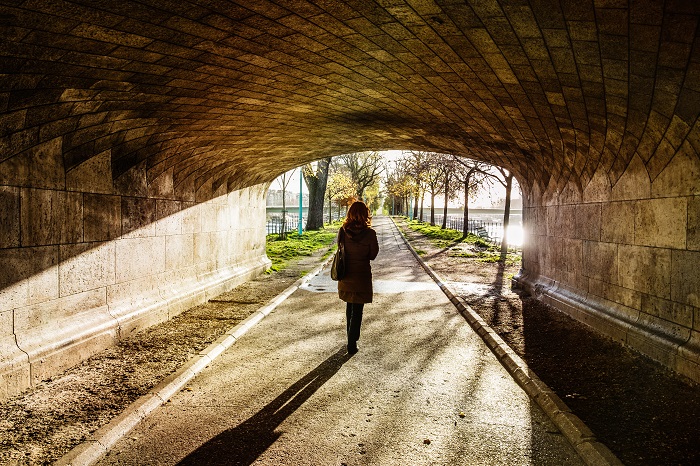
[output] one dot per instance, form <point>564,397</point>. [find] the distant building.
<point>274,199</point>
<point>515,203</point>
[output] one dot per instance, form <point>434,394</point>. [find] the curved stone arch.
<point>124,123</point>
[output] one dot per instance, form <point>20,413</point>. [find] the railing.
<point>490,231</point>
<point>274,221</point>
<point>275,225</point>
<point>335,215</point>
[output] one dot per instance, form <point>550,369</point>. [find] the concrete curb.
<point>102,440</point>
<point>591,451</point>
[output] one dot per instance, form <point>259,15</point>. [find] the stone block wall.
<point>86,264</point>
<point>624,257</point>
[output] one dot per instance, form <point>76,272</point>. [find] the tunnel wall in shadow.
<point>624,258</point>
<point>88,263</point>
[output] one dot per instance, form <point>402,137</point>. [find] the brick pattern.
<point>221,94</point>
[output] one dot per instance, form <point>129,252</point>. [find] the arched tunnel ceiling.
<point>233,93</point>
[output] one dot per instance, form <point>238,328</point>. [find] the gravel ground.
<point>646,414</point>
<point>642,412</point>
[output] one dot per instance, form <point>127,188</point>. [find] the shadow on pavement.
<point>243,444</point>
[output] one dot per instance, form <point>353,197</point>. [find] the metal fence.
<point>490,231</point>
<point>335,215</point>
<point>277,223</point>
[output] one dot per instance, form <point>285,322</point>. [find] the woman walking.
<point>355,288</point>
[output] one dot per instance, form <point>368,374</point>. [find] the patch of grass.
<point>281,252</point>
<point>489,256</point>
<point>444,238</point>
<point>420,252</point>
<point>468,255</point>
<point>478,241</point>
<point>435,232</point>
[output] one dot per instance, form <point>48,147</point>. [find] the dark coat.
<point>361,246</point>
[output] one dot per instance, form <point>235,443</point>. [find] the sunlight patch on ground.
<point>322,283</point>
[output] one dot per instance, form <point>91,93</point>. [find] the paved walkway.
<point>423,390</point>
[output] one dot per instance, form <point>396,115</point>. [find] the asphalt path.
<point>423,389</point>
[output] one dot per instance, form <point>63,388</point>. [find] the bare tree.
<point>433,177</point>
<point>316,181</point>
<point>284,181</point>
<point>447,168</point>
<point>399,185</point>
<point>417,163</point>
<point>364,169</point>
<point>507,182</point>
<point>471,173</point>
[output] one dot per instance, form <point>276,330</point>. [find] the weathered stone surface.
<point>86,266</point>
<point>26,276</point>
<point>92,176</point>
<point>588,221</point>
<point>634,183</point>
<point>169,219</point>
<point>681,177</point>
<point>9,217</point>
<point>645,269</point>
<point>600,261</point>
<point>40,166</point>
<point>139,257</point>
<point>685,277</point>
<point>661,223</point>
<point>179,251</point>
<point>72,218</point>
<point>598,189</point>
<point>694,223</point>
<point>102,217</point>
<point>41,216</point>
<point>617,224</point>
<point>138,216</point>
<point>669,311</point>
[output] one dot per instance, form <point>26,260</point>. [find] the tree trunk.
<point>283,233</point>
<point>444,215</point>
<point>422,200</point>
<point>444,209</point>
<point>330,210</point>
<point>506,217</point>
<point>415,205</point>
<point>432,209</point>
<point>465,227</point>
<point>316,183</point>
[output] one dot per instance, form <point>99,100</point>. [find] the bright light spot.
<point>391,154</point>
<point>515,235</point>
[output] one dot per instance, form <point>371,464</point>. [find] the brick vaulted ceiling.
<point>235,92</point>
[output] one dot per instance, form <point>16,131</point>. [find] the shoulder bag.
<point>338,267</point>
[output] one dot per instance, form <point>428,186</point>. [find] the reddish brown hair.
<point>358,215</point>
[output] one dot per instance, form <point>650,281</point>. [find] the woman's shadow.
<point>243,444</point>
